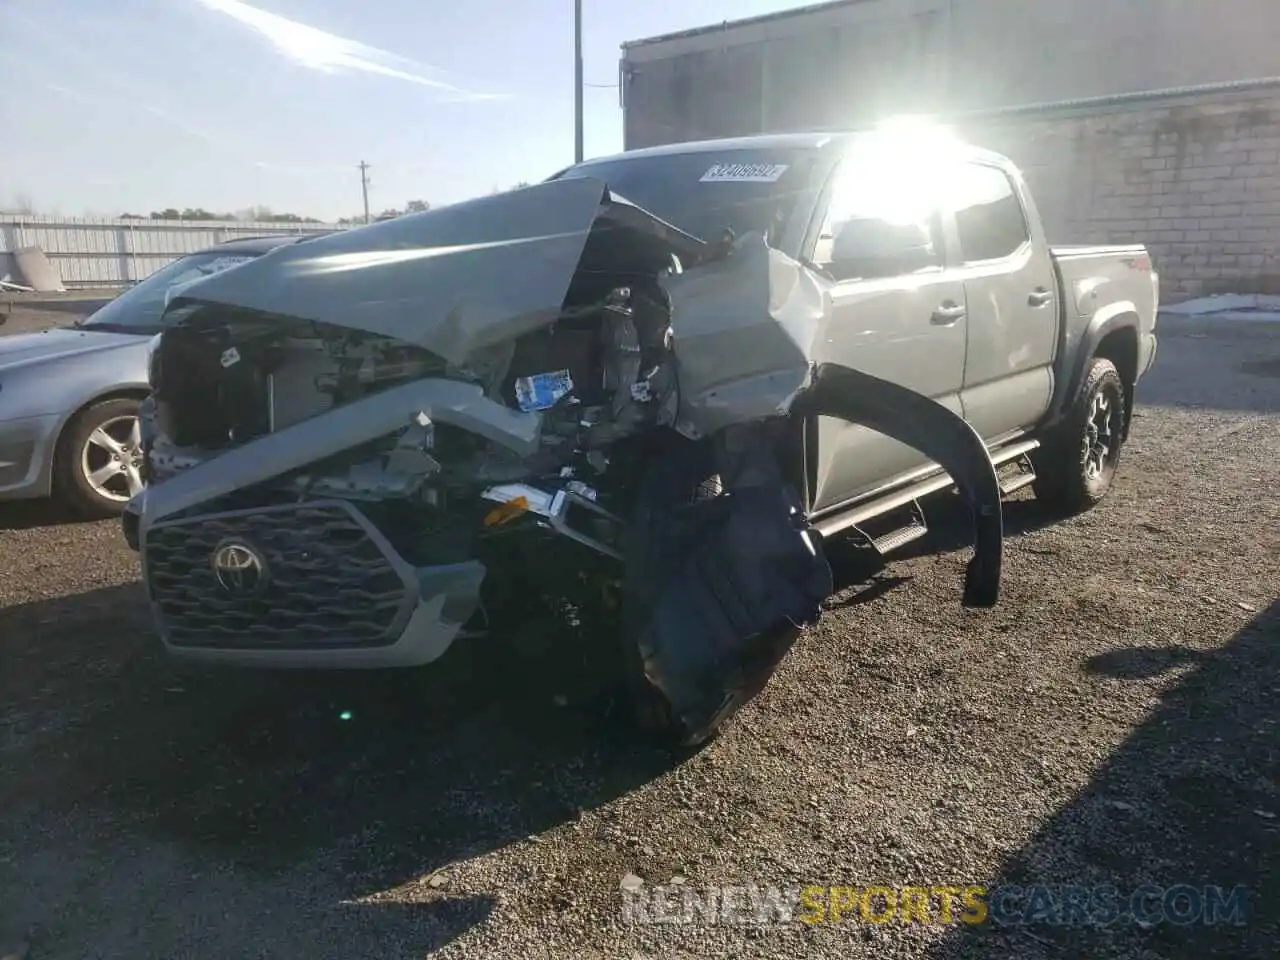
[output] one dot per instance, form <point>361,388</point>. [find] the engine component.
<point>221,379</point>
<point>571,511</point>
<point>601,374</point>
<point>210,387</point>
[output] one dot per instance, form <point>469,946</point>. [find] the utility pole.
<point>364,187</point>
<point>577,81</point>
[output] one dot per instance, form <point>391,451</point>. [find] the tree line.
<point>267,215</point>
<point>390,213</point>
<point>24,207</point>
<point>255,214</point>
<point>413,206</point>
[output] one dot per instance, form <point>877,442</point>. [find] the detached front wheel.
<point>1078,462</point>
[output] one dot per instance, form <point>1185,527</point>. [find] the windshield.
<point>704,193</point>
<point>138,309</point>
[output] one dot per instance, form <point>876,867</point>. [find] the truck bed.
<point>1095,278</point>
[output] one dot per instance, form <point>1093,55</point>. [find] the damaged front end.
<point>344,437</point>
<point>358,447</point>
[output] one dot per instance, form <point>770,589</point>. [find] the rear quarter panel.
<point>1104,288</point>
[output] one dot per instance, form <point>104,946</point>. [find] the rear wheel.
<point>1077,463</point>
<point>97,469</point>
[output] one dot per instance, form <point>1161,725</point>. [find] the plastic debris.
<point>506,512</point>
<point>543,390</point>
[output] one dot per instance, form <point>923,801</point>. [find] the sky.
<point>137,105</point>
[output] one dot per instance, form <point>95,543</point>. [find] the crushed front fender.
<point>720,588</point>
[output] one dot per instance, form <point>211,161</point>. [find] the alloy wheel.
<point>1099,434</point>
<point>111,460</point>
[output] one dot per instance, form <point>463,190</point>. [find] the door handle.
<point>1039,297</point>
<point>947,314</point>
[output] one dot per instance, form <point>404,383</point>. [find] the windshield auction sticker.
<point>745,172</point>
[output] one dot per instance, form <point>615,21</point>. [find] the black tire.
<point>1078,460</point>
<point>72,483</point>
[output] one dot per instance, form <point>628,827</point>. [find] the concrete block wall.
<point>1195,178</point>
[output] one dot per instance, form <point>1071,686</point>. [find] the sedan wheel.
<point>98,465</point>
<point>111,460</point>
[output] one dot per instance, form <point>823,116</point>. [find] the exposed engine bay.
<point>600,375</point>
<point>357,447</point>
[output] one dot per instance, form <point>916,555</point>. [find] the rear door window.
<point>989,217</point>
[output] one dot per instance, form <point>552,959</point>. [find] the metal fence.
<point>115,253</point>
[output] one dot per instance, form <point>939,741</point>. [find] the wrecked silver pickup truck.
<point>664,377</point>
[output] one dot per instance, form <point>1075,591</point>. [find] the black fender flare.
<point>945,438</point>
<point>1077,363</point>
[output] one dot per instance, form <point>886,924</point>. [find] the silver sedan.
<point>69,396</point>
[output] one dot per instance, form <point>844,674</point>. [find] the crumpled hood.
<point>452,280</point>
<point>745,321</point>
<point>21,349</point>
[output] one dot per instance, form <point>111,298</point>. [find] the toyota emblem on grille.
<point>240,569</point>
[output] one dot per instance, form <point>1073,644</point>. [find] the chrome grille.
<point>329,580</point>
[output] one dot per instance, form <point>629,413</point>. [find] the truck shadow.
<point>395,774</point>
<point>1192,797</point>
<point>33,514</point>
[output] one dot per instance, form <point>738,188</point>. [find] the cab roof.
<point>815,140</point>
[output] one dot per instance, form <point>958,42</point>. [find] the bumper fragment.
<point>571,512</point>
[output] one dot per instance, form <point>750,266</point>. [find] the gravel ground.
<point>1113,720</point>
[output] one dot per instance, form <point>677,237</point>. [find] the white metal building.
<point>1152,120</point>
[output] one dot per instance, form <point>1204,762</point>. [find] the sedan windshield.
<point>705,193</point>
<point>138,309</point>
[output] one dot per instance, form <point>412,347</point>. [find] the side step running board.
<point>1023,476</point>
<point>860,513</point>
<point>910,532</point>
<point>899,538</point>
